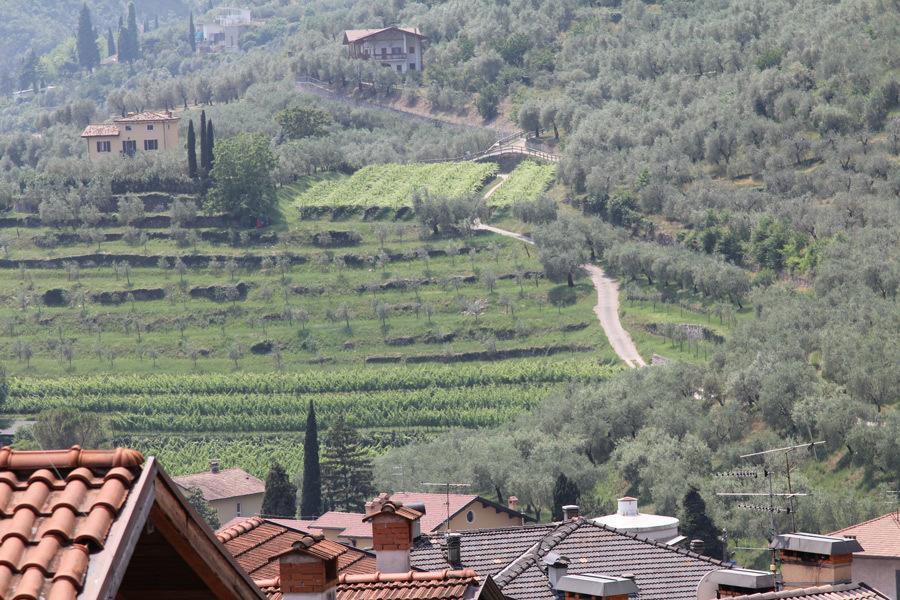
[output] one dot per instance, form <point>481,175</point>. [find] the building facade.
<point>231,492</point>
<point>398,48</point>
<point>132,134</point>
<point>225,30</point>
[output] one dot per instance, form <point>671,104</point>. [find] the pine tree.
<point>280,499</point>
<point>696,524</point>
<point>346,469</point>
<point>195,498</point>
<point>192,33</point>
<point>110,42</point>
<point>565,491</point>
<point>311,494</point>
<point>203,149</point>
<point>191,150</point>
<point>86,40</point>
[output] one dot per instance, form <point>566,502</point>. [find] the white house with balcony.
<point>399,48</point>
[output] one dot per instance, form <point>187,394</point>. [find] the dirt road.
<point>607,308</point>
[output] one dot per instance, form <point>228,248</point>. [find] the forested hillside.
<point>734,165</point>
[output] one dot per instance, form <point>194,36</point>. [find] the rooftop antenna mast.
<point>446,485</point>
<point>769,474</point>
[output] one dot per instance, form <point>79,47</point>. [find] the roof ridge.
<point>807,591</point>
<point>233,531</point>
<point>657,543</point>
<point>545,544</point>
<point>71,458</point>
<point>407,577</point>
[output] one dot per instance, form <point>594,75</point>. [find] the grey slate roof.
<point>513,557</point>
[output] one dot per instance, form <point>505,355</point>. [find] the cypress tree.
<point>192,33</point>
<point>156,22</point>
<point>203,147</point>
<point>110,42</point>
<point>346,469</point>
<point>311,493</point>
<point>696,524</point>
<point>131,34</point>
<point>191,150</point>
<point>146,24</point>
<point>280,499</point>
<point>565,491</point>
<point>86,40</point>
<point>123,45</point>
<point>210,146</point>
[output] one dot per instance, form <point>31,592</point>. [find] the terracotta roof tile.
<point>227,483</point>
<point>849,591</point>
<point>414,585</point>
<point>100,130</point>
<point>56,508</point>
<point>145,117</point>
<point>256,543</point>
<point>355,35</point>
<point>879,536</point>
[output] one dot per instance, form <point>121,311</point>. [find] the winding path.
<point>607,308</point>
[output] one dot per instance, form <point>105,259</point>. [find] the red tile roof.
<point>356,35</point>
<point>56,510</point>
<point>879,537</point>
<point>431,585</point>
<point>146,117</point>
<point>849,591</point>
<point>101,130</point>
<point>227,483</point>
<point>255,543</point>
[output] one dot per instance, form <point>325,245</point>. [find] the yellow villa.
<point>148,131</point>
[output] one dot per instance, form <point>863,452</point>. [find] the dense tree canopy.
<point>243,178</point>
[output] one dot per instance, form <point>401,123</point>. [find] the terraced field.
<point>392,186</point>
<point>214,347</point>
<point>526,182</point>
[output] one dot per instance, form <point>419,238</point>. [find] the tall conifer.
<point>110,42</point>
<point>210,146</point>
<point>346,469</point>
<point>203,147</point>
<point>192,33</point>
<point>311,492</point>
<point>86,40</point>
<point>191,150</point>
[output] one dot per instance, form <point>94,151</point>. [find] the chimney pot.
<point>570,511</point>
<point>628,506</point>
<point>454,549</point>
<point>513,503</point>
<point>697,546</point>
<point>214,466</point>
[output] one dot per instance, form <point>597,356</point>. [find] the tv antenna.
<point>446,485</point>
<point>774,506</point>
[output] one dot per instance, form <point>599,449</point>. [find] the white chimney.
<point>570,511</point>
<point>628,507</point>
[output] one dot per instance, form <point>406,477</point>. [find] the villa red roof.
<point>227,483</point>
<point>148,116</point>
<point>101,130</point>
<point>356,35</point>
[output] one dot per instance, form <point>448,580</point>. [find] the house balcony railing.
<point>385,56</point>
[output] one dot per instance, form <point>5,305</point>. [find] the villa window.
<point>151,144</point>
<point>104,146</point>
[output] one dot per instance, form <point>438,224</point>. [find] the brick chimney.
<point>394,527</point>
<point>591,586</point>
<point>809,560</point>
<point>308,570</point>
<point>513,503</point>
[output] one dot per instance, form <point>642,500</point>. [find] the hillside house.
<point>132,134</point>
<point>464,511</point>
<point>224,30</point>
<point>399,48</point>
<point>231,492</point>
<point>92,524</point>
